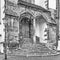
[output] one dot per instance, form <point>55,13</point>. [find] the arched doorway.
<point>26,28</point>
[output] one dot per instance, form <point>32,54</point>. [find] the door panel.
<point>25,30</point>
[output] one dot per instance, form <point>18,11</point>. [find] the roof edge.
<point>32,5</point>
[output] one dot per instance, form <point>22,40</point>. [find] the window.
<point>0,35</point>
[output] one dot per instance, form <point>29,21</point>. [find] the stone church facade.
<point>27,23</point>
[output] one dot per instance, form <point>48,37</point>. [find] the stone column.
<point>20,34</point>
<point>34,26</point>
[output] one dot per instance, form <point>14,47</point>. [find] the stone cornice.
<point>36,7</point>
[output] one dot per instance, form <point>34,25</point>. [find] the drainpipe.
<point>57,19</point>
<point>5,42</point>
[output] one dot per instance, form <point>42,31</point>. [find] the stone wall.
<point>52,34</point>
<point>12,28</point>
<point>14,1</point>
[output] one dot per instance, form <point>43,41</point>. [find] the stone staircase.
<point>33,49</point>
<point>36,48</point>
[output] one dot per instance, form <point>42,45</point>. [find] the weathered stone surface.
<point>20,25</point>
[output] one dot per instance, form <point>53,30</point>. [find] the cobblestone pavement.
<point>57,57</point>
<point>33,58</point>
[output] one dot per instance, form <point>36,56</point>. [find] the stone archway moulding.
<point>24,11</point>
<point>35,14</point>
<point>43,14</point>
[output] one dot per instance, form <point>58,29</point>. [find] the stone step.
<point>35,48</point>
<point>27,40</point>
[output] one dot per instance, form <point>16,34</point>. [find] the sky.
<point>52,4</point>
